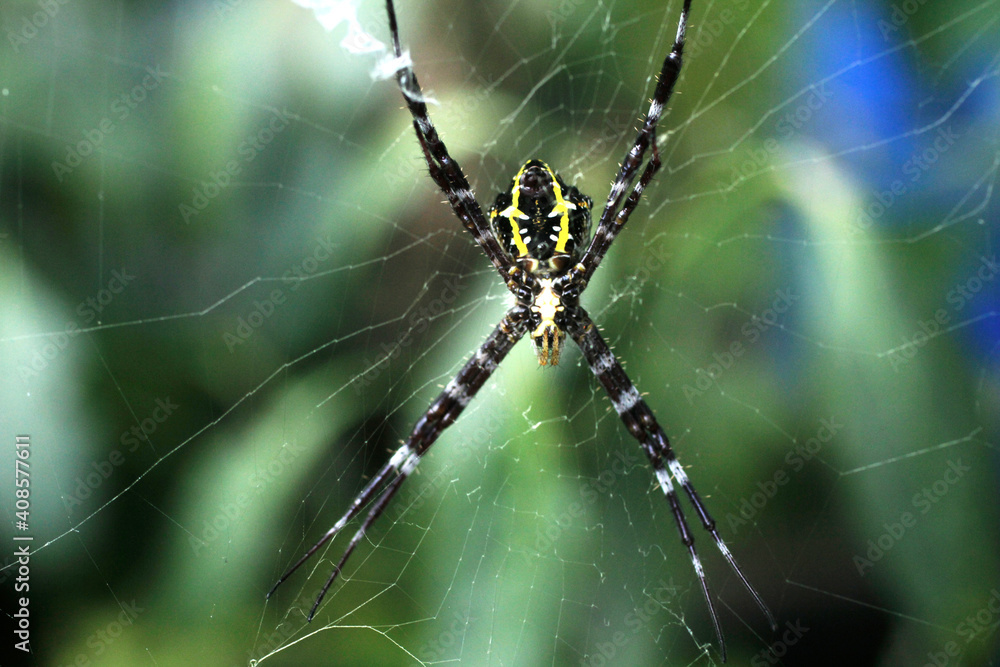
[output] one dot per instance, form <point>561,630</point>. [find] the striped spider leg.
<point>442,414</point>
<point>611,223</point>
<point>642,425</point>
<point>444,169</point>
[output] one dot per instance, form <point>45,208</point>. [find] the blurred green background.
<point>228,288</point>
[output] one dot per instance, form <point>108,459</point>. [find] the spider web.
<point>230,288</point>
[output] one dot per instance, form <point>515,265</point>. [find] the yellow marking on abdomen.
<point>511,211</point>
<point>563,205</point>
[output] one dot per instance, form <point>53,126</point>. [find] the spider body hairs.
<point>537,236</point>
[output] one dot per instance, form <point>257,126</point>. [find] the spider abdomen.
<point>541,222</point>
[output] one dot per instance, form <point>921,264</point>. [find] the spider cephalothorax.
<point>537,237</point>
<point>543,225</point>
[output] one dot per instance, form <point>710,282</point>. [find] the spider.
<point>536,235</point>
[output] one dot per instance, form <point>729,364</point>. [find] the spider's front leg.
<point>642,425</point>
<point>613,219</point>
<point>442,414</point>
<point>443,168</point>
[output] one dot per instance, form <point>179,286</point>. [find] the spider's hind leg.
<point>442,413</point>
<point>642,425</point>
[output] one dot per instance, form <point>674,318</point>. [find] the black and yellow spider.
<point>536,235</point>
